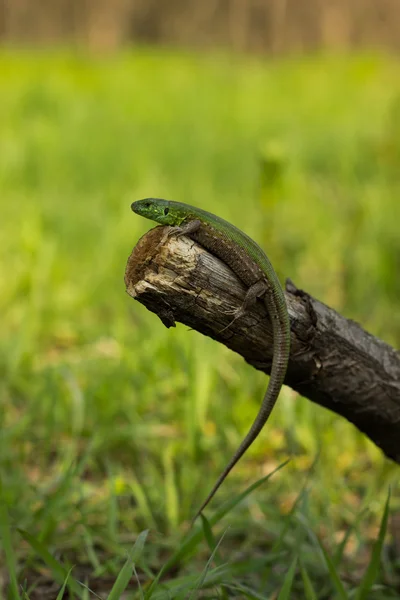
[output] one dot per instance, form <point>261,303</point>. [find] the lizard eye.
<point>166,211</point>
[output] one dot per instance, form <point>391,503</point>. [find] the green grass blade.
<point>138,583</point>
<point>374,564</point>
<point>60,594</point>
<point>327,561</point>
<point>138,546</point>
<point>207,568</point>
<point>309,592</point>
<point>231,504</point>
<point>11,561</point>
<point>245,591</point>
<point>221,575</point>
<point>85,595</point>
<point>196,535</point>
<point>122,581</point>
<point>171,491</point>
<point>284,594</point>
<point>48,514</point>
<point>126,573</point>
<point>209,536</point>
<point>179,586</point>
<point>334,575</point>
<point>142,499</point>
<point>59,572</point>
<point>88,593</point>
<point>338,555</point>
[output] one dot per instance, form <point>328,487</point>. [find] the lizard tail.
<point>279,317</point>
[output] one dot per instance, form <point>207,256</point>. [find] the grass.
<point>114,428</point>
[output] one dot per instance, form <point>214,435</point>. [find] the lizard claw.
<point>236,315</point>
<point>169,233</point>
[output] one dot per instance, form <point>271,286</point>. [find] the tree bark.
<point>333,361</point>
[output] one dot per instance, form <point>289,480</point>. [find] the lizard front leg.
<point>178,231</point>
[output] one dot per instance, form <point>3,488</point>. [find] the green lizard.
<point>251,265</point>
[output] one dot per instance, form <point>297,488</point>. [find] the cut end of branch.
<point>141,256</point>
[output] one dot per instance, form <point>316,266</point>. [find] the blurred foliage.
<point>110,423</point>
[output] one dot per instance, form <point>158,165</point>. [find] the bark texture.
<point>334,362</point>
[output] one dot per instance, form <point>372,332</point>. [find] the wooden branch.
<point>333,362</point>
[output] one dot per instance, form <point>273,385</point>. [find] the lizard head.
<point>164,212</point>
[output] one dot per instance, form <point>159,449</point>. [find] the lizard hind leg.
<point>257,290</point>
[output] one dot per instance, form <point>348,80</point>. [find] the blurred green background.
<point>112,424</point>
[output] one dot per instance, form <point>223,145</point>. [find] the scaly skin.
<point>251,265</point>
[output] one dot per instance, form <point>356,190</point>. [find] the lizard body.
<point>251,265</point>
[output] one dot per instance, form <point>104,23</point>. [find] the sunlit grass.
<point>111,424</point>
